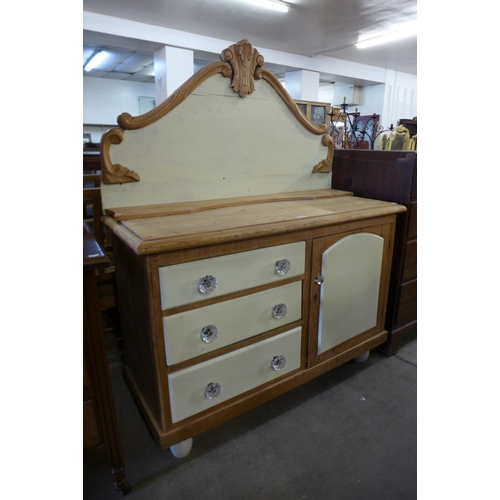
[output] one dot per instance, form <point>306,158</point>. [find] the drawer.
<point>235,372</point>
<point>179,283</point>
<point>235,320</point>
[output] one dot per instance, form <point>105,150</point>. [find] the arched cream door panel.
<point>349,295</point>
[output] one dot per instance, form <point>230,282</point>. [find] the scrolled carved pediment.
<point>191,128</point>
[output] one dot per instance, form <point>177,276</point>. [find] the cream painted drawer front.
<point>236,372</point>
<point>235,320</point>
<point>235,272</point>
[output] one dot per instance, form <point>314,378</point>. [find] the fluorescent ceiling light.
<point>397,33</point>
<point>95,60</point>
<point>272,4</point>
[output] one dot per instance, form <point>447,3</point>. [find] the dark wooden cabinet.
<point>389,176</point>
<point>101,438</point>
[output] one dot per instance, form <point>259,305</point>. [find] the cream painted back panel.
<point>349,294</point>
<point>235,320</point>
<point>236,373</point>
<point>215,144</point>
<point>234,272</point>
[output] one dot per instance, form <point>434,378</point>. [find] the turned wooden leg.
<point>120,481</point>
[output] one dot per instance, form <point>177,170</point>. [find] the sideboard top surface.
<point>175,231</point>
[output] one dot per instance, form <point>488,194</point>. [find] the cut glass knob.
<point>209,333</point>
<point>282,267</point>
<point>207,284</point>
<point>278,363</point>
<point>279,311</point>
<point>213,390</point>
<point>319,280</point>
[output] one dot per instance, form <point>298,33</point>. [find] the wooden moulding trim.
<point>129,238</point>
<point>240,62</point>
<point>191,207</point>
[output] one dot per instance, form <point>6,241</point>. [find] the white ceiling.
<point>310,28</point>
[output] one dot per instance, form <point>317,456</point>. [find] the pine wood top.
<point>189,207</point>
<point>185,225</point>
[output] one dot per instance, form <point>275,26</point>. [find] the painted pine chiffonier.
<point>241,274</point>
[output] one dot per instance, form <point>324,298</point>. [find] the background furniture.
<point>106,279</point>
<point>389,176</point>
<point>410,124</point>
<point>228,253</point>
<point>317,112</point>
<point>101,436</point>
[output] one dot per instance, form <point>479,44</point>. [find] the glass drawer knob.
<point>213,390</point>
<point>209,333</point>
<point>278,363</point>
<point>319,280</point>
<point>207,284</point>
<point>279,311</point>
<point>282,267</point>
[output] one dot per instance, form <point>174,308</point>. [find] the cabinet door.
<point>353,269</point>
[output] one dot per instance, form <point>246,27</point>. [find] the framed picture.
<point>317,112</point>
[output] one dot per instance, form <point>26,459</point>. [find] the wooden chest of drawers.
<point>241,274</point>
<point>213,330</point>
<point>389,176</point>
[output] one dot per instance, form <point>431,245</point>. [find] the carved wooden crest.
<point>243,59</point>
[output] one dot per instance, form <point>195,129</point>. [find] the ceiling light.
<point>272,4</point>
<point>397,33</point>
<point>96,59</point>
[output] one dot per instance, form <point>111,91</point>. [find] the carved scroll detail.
<point>114,174</point>
<point>244,59</point>
<point>325,166</point>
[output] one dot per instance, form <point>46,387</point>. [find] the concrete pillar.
<point>173,67</point>
<point>303,85</point>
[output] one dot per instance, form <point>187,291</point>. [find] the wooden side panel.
<point>138,328</point>
<point>407,311</point>
<point>258,147</point>
<point>410,261</point>
<point>412,225</point>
